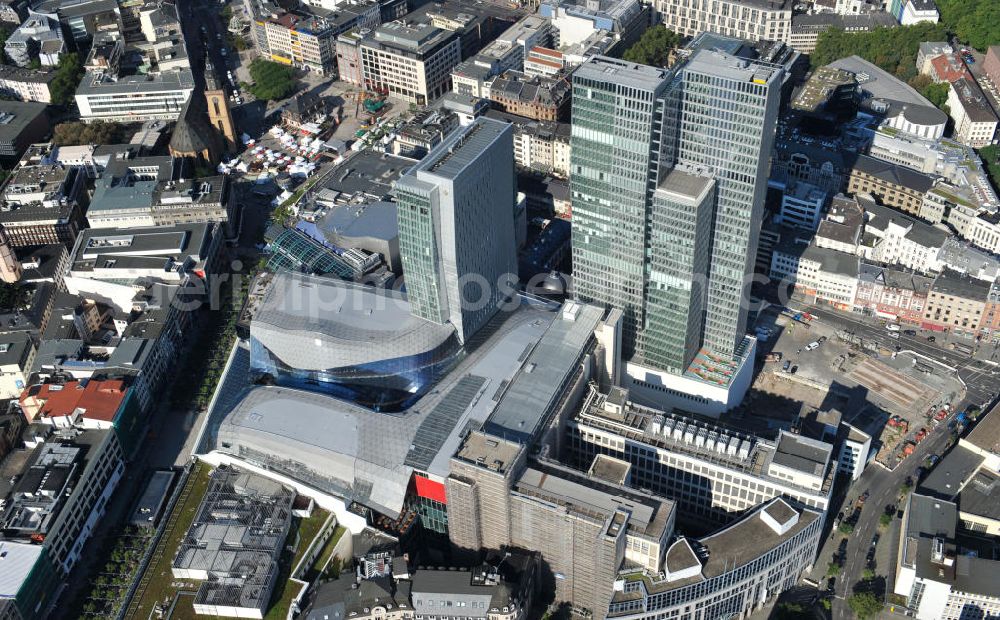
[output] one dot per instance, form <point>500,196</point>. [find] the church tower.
<point>219,113</point>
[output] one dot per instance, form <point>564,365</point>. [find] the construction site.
<point>896,397</point>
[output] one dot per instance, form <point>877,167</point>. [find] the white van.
<point>892,327</point>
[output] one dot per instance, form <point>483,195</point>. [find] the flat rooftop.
<point>879,83</point>
<point>735,545</point>
<point>986,434</point>
<point>452,155</point>
<point>685,185</point>
<point>15,116</point>
<point>94,83</point>
<point>607,69</point>
<point>803,454</point>
<point>351,451</point>
<point>723,446</point>
<point>981,495</point>
<point>648,514</point>
<point>952,473</point>
<point>369,173</point>
<point>749,539</point>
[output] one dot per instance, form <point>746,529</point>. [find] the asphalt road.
<point>979,375</point>
<point>883,486</point>
<point>168,440</point>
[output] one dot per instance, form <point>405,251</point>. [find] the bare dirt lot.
<point>820,371</point>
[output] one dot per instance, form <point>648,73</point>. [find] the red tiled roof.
<point>100,400</point>
<point>543,61</point>
<point>950,67</point>
<point>547,52</point>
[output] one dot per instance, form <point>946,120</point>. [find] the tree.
<point>846,528</point>
<point>977,22</point>
<point>653,47</point>
<point>5,31</point>
<point>76,133</point>
<point>832,569</point>
<point>892,49</point>
<point>66,79</point>
<point>937,94</point>
<point>791,611</point>
<point>864,605</point>
<point>272,80</point>
<point>991,159</point>
<point>867,574</point>
<point>885,519</point>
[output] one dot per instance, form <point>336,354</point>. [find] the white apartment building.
<point>155,96</point>
<point>854,452</point>
<point>841,229</point>
<point>539,145</point>
<point>710,471</point>
<point>916,11</point>
<point>506,52</point>
<point>26,84</point>
<point>17,357</point>
<point>84,467</point>
<point>728,574</point>
<point>827,275</point>
<point>801,206</point>
<point>744,19</point>
<point>938,582</point>
<point>410,62</point>
<point>975,120</point>
<point>894,238</point>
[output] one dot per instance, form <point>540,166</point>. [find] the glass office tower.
<point>456,227</point>
<point>668,177</point>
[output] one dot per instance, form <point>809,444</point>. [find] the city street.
<point>883,486</point>
<point>170,435</point>
<point>978,373</point>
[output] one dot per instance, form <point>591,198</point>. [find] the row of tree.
<point>68,74</point>
<point>891,49</point>
<point>78,132</point>
<point>110,585</point>
<point>976,22</point>
<point>200,377</point>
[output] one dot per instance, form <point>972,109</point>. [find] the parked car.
<point>892,327</point>
<point>793,370</point>
<point>786,366</point>
<point>821,339</point>
<point>910,332</point>
<point>812,345</point>
<point>931,338</point>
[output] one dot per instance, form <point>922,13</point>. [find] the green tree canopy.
<point>864,605</point>
<point>272,80</point>
<point>937,94</point>
<point>72,134</point>
<point>892,49</point>
<point>977,22</point>
<point>67,78</point>
<point>653,47</point>
<point>791,611</point>
<point>991,159</point>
